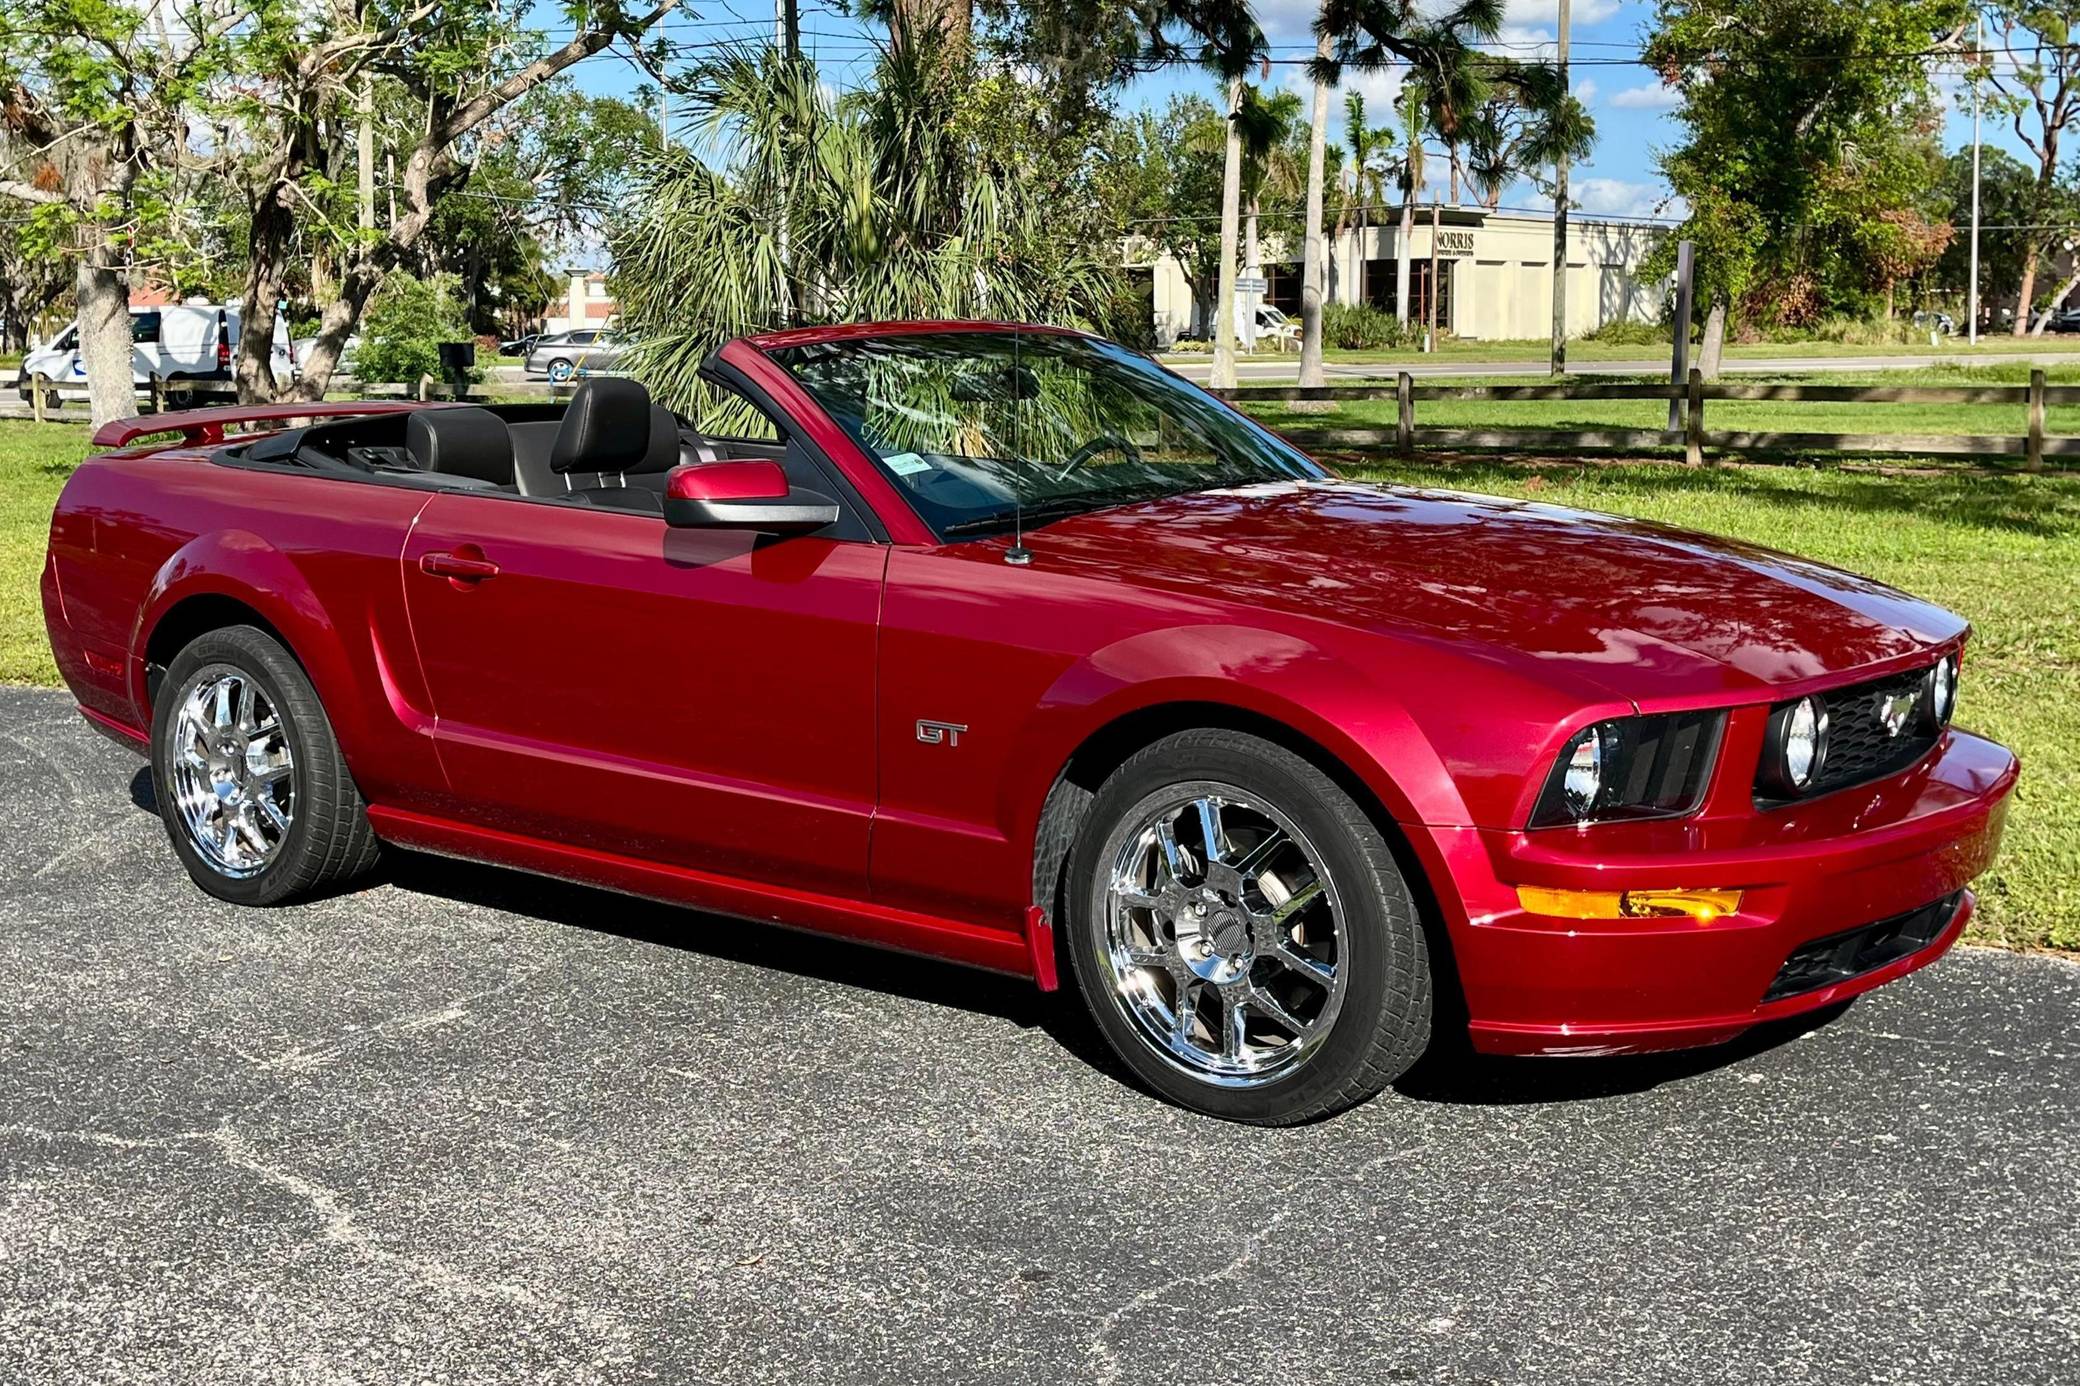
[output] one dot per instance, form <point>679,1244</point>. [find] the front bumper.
<point>1540,985</point>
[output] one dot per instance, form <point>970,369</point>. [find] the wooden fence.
<point>158,396</point>
<point>1686,416</point>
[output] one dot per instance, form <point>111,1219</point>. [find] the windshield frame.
<point>782,351</point>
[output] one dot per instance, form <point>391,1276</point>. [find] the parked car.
<point>1010,647</point>
<point>1275,329</point>
<point>2063,320</point>
<point>302,352</point>
<point>183,344</point>
<point>521,346</point>
<point>563,356</point>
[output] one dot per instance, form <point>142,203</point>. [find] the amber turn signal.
<point>1701,905</point>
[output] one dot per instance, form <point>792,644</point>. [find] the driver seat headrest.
<point>607,428</point>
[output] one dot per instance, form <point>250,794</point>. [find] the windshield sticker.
<point>907,464</point>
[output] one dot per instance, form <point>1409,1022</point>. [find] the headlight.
<point>1631,767</point>
<point>1795,748</point>
<point>1942,689</point>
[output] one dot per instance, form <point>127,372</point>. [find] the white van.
<point>181,343</point>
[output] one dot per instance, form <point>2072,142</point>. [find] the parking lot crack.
<point>1286,1201</point>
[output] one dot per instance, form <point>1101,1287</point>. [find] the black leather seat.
<point>610,437</point>
<point>466,448</point>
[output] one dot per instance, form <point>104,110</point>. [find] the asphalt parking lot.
<point>464,1126</point>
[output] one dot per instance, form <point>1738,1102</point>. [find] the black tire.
<point>1383,1024</point>
<point>328,842</point>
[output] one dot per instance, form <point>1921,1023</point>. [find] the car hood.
<point>1639,609</point>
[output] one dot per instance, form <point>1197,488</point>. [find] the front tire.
<point>248,777</point>
<point>560,371</point>
<point>1242,935</point>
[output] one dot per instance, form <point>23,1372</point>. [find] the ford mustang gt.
<point>1007,646</point>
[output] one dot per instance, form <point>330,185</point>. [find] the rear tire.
<point>248,777</point>
<point>1277,980</point>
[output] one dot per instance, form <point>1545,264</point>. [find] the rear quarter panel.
<point>137,534</point>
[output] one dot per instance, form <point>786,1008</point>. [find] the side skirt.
<point>996,950</point>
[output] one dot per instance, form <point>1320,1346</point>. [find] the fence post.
<point>1693,421</point>
<point>37,392</point>
<point>157,387</point>
<point>1405,414</point>
<point>2036,420</point>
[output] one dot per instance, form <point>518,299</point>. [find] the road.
<point>464,1127</point>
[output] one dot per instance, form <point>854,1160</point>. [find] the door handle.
<point>460,567</point>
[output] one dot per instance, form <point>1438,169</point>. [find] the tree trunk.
<point>2026,294</point>
<point>1714,344</point>
<point>1231,218</point>
<point>1406,235</point>
<point>267,254</point>
<point>104,337</point>
<point>1313,267</point>
<point>334,327</point>
<point>2057,301</point>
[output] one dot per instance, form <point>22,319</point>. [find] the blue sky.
<point>1632,110</point>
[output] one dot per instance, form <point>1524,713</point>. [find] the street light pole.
<point>1972,294</point>
<point>1559,362</point>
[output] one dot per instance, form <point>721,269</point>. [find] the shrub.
<point>1630,332</point>
<point>1362,327</point>
<point>402,331</point>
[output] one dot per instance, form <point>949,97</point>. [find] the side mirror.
<point>742,495</point>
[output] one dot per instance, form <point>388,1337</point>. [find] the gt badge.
<point>1895,710</point>
<point>934,733</point>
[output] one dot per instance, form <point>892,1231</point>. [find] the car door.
<point>698,698</point>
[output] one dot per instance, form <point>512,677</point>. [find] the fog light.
<point>1702,905</point>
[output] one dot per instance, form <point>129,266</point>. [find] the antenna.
<point>1018,555</point>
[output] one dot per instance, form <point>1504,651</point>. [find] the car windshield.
<point>979,428</point>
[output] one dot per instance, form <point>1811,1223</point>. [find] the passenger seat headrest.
<point>460,442</point>
<point>664,444</point>
<point>606,429</point>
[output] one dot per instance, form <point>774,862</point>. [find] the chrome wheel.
<point>1224,935</point>
<point>234,782</point>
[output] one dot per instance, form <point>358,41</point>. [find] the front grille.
<point>1860,745</point>
<point>1838,957</point>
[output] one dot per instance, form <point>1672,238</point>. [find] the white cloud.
<point>1547,12</point>
<point>1618,197</point>
<point>1585,91</point>
<point>1653,97</point>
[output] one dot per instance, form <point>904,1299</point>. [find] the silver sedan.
<point>565,356</point>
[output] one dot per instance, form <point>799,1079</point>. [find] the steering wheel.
<point>1104,442</point>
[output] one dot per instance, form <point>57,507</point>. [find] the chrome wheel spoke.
<point>220,711</point>
<point>273,813</point>
<point>1150,957</point>
<point>1169,859</point>
<point>1283,913</point>
<point>246,696</point>
<point>1320,973</point>
<point>1251,863</point>
<point>1264,1003</point>
<point>1211,831</point>
<point>1233,1035</point>
<point>1134,898</point>
<point>1186,1012</point>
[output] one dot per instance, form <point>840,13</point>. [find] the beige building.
<point>1494,275</point>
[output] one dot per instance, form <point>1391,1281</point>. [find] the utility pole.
<point>366,157</point>
<point>1559,362</point>
<point>787,28</point>
<point>1972,294</point>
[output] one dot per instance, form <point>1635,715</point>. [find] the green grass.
<point>35,459</point>
<point>2002,549</point>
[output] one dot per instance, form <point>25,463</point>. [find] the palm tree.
<point>1367,147</point>
<point>1266,124</point>
<point>1410,169</point>
<point>809,206</point>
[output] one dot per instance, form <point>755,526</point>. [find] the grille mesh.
<point>1860,746</point>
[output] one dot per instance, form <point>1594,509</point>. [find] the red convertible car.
<point>1006,645</point>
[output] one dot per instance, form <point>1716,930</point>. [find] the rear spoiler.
<point>211,425</point>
